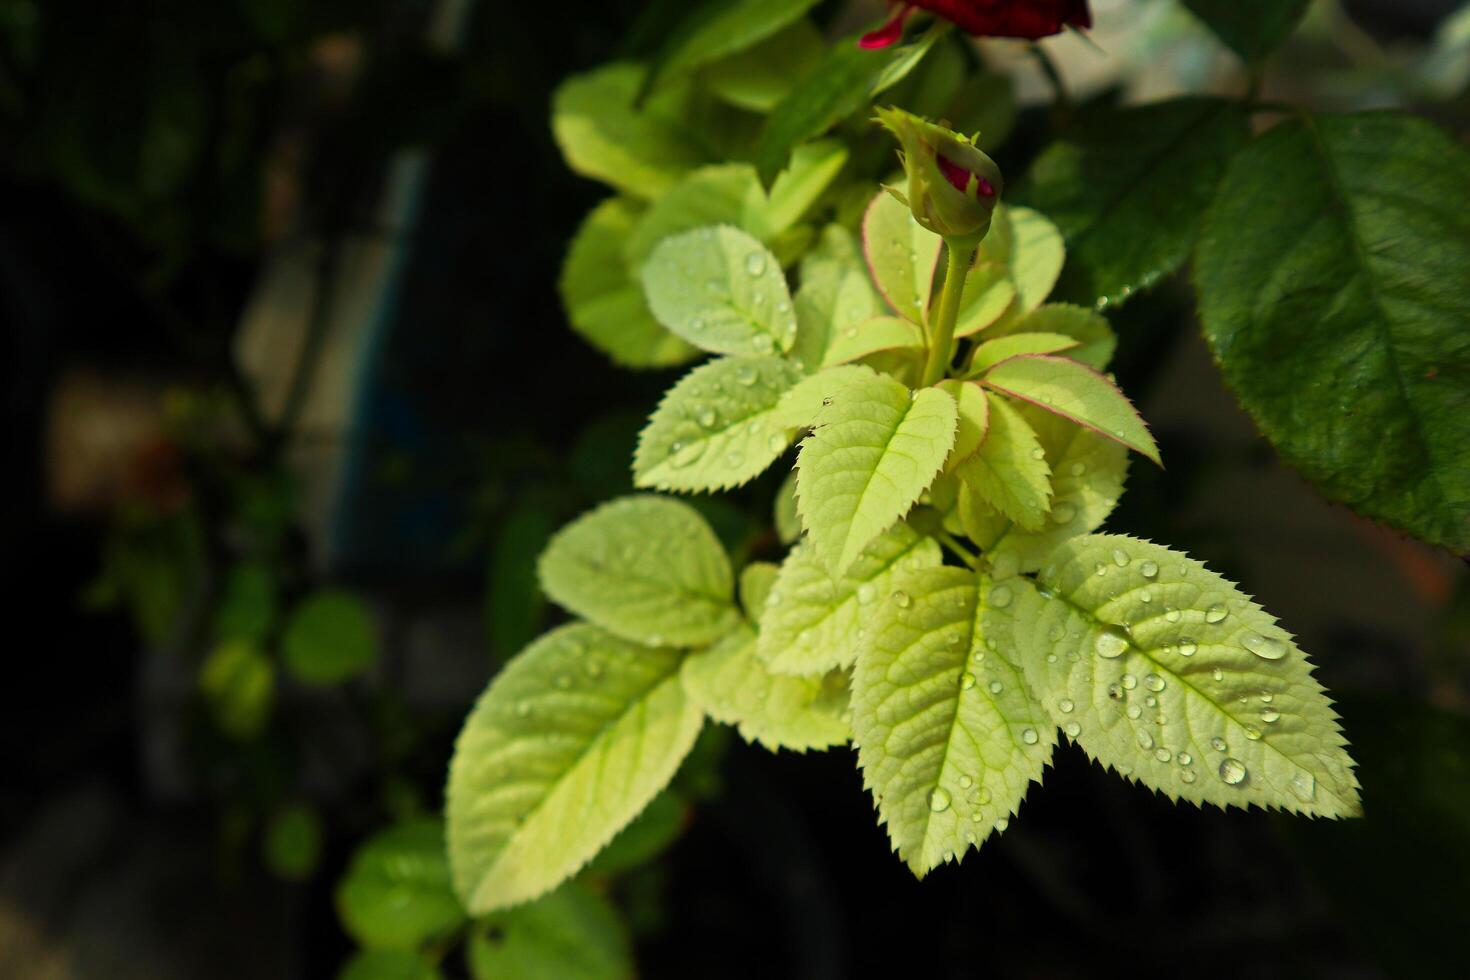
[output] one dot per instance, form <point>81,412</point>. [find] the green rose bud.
<point>953,188</point>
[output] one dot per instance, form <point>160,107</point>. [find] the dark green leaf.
<point>329,638</point>
<point>396,894</point>
<point>1252,28</point>
<point>1127,190</point>
<point>293,842</point>
<point>1334,277</point>
<point>569,934</point>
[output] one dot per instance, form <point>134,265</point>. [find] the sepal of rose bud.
<point>953,187</point>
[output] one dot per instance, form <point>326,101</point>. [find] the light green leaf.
<point>783,510</point>
<point>836,294</point>
<point>812,621</point>
<point>568,744</point>
<point>812,169</point>
<point>721,290</point>
<point>876,447</point>
<point>756,580</point>
<point>396,893</point>
<point>647,568</point>
<point>974,420</point>
<point>902,256</point>
<point>569,934</point>
<point>988,294</point>
<point>329,637</point>
<point>906,57</point>
<point>238,682</point>
<point>992,352</point>
<point>604,303</point>
<point>649,835</point>
<point>878,334</point>
<point>1077,392</point>
<point>800,406</point>
<point>717,428</point>
<point>1128,188</point>
<point>779,711</point>
<point>1177,680</point>
<point>1333,290</point>
<point>601,135</point>
<point>948,735</point>
<point>1029,247</point>
<point>726,194</point>
<point>389,964</point>
<point>1087,476</point>
<point>1009,471</point>
<point>758,78</point>
<point>1090,329</point>
<point>718,30</point>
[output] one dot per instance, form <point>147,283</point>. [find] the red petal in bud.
<point>889,33</point>
<point>959,176</point>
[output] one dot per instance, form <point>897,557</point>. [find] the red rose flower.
<point>989,18</point>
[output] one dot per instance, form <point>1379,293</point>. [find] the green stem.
<point>941,339</point>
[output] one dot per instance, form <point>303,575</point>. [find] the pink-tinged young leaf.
<point>1076,392</point>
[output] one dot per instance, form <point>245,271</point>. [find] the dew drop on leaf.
<point>1072,729</point>
<point>1265,647</point>
<point>1216,613</point>
<point>996,687</point>
<point>1187,647</point>
<point>1128,681</point>
<point>1270,716</point>
<point>1120,558</point>
<point>939,799</point>
<point>1000,596</point>
<point>967,681</point>
<point>1163,754</point>
<point>1304,785</point>
<point>901,599</point>
<point>1066,705</point>
<point>1149,569</point>
<point>866,592</point>
<point>1218,744</point>
<point>1063,513</point>
<point>1110,643</point>
<point>1232,772</point>
<point>1153,682</point>
<point>1030,737</point>
<point>1145,740</point>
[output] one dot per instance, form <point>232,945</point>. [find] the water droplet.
<point>763,344</point>
<point>1153,682</point>
<point>1171,614</point>
<point>1232,772</point>
<point>1304,785</point>
<point>1163,754</point>
<point>755,263</point>
<point>523,709</point>
<point>1218,675</point>
<point>1265,647</point>
<point>996,687</point>
<point>1120,558</point>
<point>901,599</point>
<point>1051,658</point>
<point>1072,729</point>
<point>1063,513</point>
<point>708,418</point>
<point>1002,824</point>
<point>967,681</point>
<point>1145,740</point>
<point>1185,759</point>
<point>1149,569</point>
<point>1267,697</point>
<point>1000,596</point>
<point>1218,744</point>
<point>1101,569</point>
<point>1029,736</point>
<point>1128,681</point>
<point>1110,642</point>
<point>733,458</point>
<point>1055,633</point>
<point>983,796</point>
<point>1066,706</point>
<point>1187,647</point>
<point>746,375</point>
<point>775,442</point>
<point>1252,733</point>
<point>1134,711</point>
<point>1216,613</point>
<point>1151,701</point>
<point>1077,469</point>
<point>966,782</point>
<point>1145,596</point>
<point>1038,453</point>
<point>939,800</point>
<point>1115,692</point>
<point>1186,776</point>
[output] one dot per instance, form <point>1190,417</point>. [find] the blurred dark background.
<point>177,182</point>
